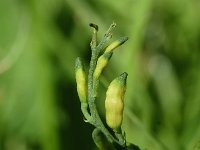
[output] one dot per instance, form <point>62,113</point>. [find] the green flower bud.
<point>116,44</point>
<point>114,103</point>
<point>81,81</point>
<point>101,64</point>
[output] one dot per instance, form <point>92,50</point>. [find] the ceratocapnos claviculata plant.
<point>87,88</point>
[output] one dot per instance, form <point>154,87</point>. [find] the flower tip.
<point>123,77</point>
<point>113,24</point>
<point>78,63</point>
<point>94,26</point>
<point>123,39</point>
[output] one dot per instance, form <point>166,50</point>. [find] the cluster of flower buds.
<point>114,103</point>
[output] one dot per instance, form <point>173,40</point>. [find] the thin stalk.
<point>96,120</point>
<point>85,112</point>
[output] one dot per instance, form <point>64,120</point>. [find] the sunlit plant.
<point>108,136</point>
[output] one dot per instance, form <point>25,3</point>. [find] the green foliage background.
<point>39,41</point>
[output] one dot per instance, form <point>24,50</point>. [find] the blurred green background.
<point>39,41</point>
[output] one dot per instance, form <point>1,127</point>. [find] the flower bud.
<point>116,44</point>
<point>81,81</point>
<point>101,64</point>
<point>114,103</point>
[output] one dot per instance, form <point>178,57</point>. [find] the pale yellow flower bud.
<point>81,81</point>
<point>116,44</point>
<point>101,64</point>
<point>114,103</point>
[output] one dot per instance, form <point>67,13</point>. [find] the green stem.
<point>120,137</point>
<point>94,118</point>
<point>91,98</point>
<point>84,109</point>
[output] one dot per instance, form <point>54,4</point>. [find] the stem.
<point>96,120</point>
<point>84,110</point>
<point>120,137</point>
<point>91,98</point>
